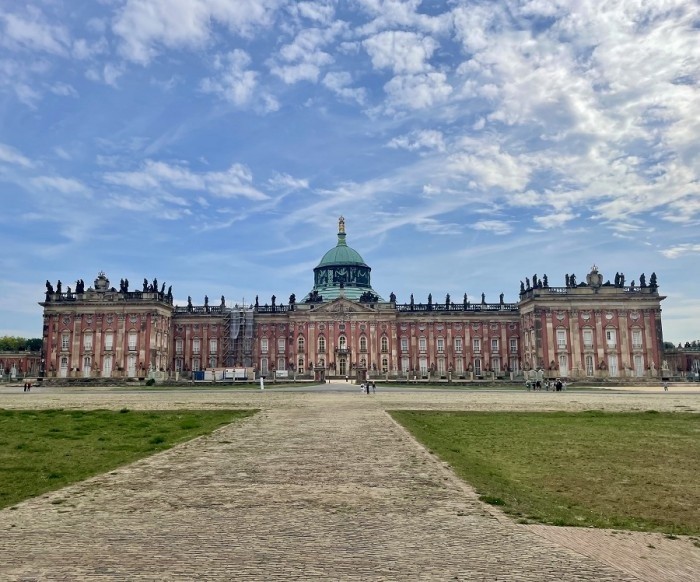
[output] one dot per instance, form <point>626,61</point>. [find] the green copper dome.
<point>341,254</point>
<point>341,273</point>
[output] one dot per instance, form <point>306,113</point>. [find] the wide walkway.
<point>316,486</point>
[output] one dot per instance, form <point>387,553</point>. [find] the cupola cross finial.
<point>341,225</point>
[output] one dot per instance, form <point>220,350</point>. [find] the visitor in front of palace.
<point>362,387</point>
<point>665,386</point>
<point>374,387</point>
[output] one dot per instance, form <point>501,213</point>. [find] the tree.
<point>16,344</point>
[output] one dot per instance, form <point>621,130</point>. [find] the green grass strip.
<point>636,471</point>
<point>44,450</point>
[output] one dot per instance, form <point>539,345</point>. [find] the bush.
<point>150,382</point>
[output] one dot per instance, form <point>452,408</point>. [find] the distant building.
<point>343,327</point>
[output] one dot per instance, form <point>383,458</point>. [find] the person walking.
<point>665,386</point>
<point>374,387</point>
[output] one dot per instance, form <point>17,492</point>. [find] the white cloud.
<point>146,27</point>
<point>498,227</point>
<point>303,58</point>
<point>417,91</point>
<point>401,51</point>
<point>60,184</point>
<point>339,83</point>
<point>33,33</point>
<point>554,220</point>
<point>234,82</point>
<point>237,181</point>
<point>287,182</point>
<point>424,139</point>
<point>10,155</point>
<point>63,89</point>
<point>677,251</point>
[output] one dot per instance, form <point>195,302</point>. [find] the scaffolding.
<point>238,336</point>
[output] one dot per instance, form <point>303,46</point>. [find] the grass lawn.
<point>637,471</point>
<point>43,450</point>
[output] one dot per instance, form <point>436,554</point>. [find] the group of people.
<point>555,385</point>
<point>367,386</point>
<point>27,386</point>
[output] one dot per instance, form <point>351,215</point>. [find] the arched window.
<point>385,344</point>
<point>363,343</point>
<point>300,344</point>
<point>300,364</point>
<point>321,344</point>
<point>385,365</point>
<point>342,342</point>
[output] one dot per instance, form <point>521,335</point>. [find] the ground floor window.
<point>343,366</point>
<point>405,364</point>
<point>64,366</point>
<point>441,366</point>
<point>514,365</point>
<point>131,366</point>
<point>423,365</point>
<point>459,366</point>
<point>496,365</point>
<point>195,365</point>
<point>589,366</point>
<point>107,366</point>
<point>385,365</point>
<point>639,366</point>
<point>87,366</point>
<point>300,365</point>
<point>563,365</point>
<point>212,362</point>
<point>178,364</point>
<point>264,366</point>
<point>612,366</point>
<point>477,366</point>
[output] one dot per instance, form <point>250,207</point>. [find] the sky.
<point>213,145</point>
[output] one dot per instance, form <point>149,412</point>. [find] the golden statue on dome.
<point>341,225</point>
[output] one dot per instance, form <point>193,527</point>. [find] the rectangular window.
<point>87,342</point>
<point>404,344</point>
<point>264,366</point>
<point>213,345</point>
<point>423,365</point>
<point>440,345</point>
<point>281,364</point>
<point>195,365</point>
<point>612,365</point>
<point>404,364</point>
<point>459,366</point>
<point>637,338</point>
<point>132,341</point>
<point>263,345</point>
<point>65,341</point>
<point>476,345</point>
<point>514,345</point>
<point>109,341</point>
<point>196,346</point>
<point>281,345</point>
<point>477,366</point>
<point>422,345</point>
<point>611,338</point>
<point>178,346</point>
<point>589,366</point>
<point>561,339</point>
<point>514,365</point>
<point>212,362</point>
<point>639,365</point>
<point>441,366</point>
<point>494,345</point>
<point>588,338</point>
<point>496,365</point>
<point>107,366</point>
<point>458,345</point>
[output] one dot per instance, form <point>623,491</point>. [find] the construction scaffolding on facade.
<point>238,336</point>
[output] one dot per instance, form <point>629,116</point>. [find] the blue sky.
<point>469,144</point>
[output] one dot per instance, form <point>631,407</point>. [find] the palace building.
<point>343,327</point>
